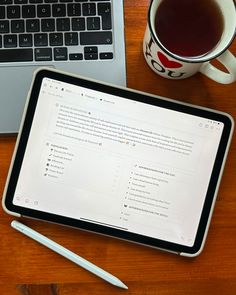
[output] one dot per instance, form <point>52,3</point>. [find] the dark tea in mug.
<point>189,28</point>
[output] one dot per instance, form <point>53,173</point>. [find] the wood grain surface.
<point>27,268</point>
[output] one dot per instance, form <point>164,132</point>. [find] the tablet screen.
<point>115,162</point>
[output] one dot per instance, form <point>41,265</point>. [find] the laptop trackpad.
<point>14,85</point>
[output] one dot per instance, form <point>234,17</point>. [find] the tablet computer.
<point>117,162</point>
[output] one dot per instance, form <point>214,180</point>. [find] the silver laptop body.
<point>15,77</point>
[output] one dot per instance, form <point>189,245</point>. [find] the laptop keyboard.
<point>55,30</point>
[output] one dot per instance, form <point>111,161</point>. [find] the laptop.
<point>84,37</point>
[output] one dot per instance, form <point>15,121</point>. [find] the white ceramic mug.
<point>173,66</point>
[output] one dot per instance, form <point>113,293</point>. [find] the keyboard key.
<point>17,26</point>
<point>32,25</point>
<point>93,23</point>
<point>71,39</point>
<point>43,54</point>
<point>91,49</point>
<point>13,11</point>
<point>63,24</point>
<point>40,40</point>
<point>35,1</point>
<point>2,12</point>
<point>10,41</point>
<point>104,9</point>
<point>78,24</point>
<point>74,9</point>
<point>48,25</point>
<point>60,53</point>
<point>16,55</point>
<point>50,1</point>
<point>89,9</point>
<point>106,55</point>
<point>44,10</point>
<point>5,2</point>
<point>95,38</point>
<point>20,1</point>
<point>4,26</point>
<point>59,10</point>
<point>25,40</point>
<point>91,56</point>
<point>76,56</point>
<point>28,11</point>
<point>55,39</point>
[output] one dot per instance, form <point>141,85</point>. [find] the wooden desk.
<point>29,268</point>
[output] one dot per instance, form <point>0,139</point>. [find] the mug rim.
<point>198,59</point>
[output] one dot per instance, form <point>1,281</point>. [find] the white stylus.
<point>67,254</point>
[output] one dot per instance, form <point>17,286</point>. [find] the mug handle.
<point>229,61</point>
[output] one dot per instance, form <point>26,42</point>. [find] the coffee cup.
<point>183,37</point>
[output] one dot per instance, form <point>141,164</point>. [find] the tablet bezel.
<point>133,95</point>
